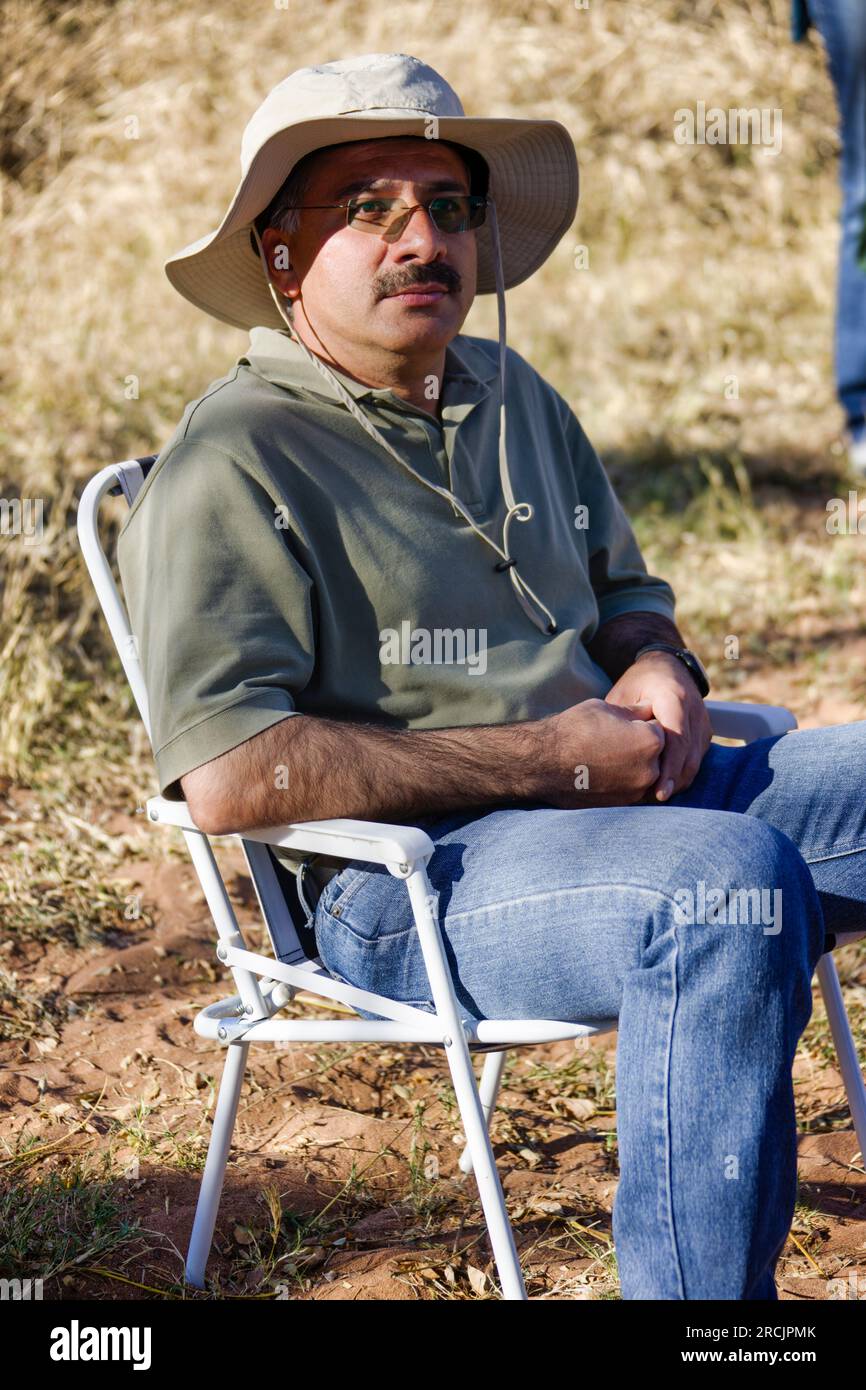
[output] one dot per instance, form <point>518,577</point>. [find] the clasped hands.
<point>657,687</point>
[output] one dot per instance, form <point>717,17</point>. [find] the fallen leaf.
<point>548,1205</point>
<point>579,1106</point>
<point>477,1278</point>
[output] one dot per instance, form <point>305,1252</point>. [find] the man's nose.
<point>418,229</point>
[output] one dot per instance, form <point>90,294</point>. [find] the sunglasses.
<point>387,217</point>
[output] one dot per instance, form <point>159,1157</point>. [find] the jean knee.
<point>766,882</point>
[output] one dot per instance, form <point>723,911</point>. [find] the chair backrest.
<point>126,478</point>
<point>275,885</point>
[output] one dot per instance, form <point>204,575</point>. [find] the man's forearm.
<point>615,643</point>
<point>309,768</point>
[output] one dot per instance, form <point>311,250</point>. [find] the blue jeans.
<point>597,914</point>
<point>842,25</point>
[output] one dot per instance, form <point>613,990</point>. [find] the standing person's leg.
<point>578,915</point>
<point>842,25</point>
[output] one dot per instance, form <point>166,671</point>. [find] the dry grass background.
<point>704,261</point>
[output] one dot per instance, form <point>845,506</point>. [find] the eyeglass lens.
<point>452,213</point>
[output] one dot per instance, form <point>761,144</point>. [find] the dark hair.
<point>281,210</point>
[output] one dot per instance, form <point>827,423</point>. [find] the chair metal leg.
<point>485,1170</point>
<point>488,1087</point>
<point>215,1163</point>
<point>849,1064</point>
<point>464,1082</point>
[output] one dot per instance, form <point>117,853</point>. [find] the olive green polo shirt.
<point>277,560</point>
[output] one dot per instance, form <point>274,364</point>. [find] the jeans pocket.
<point>339,886</point>
<point>345,964</point>
<point>343,901</point>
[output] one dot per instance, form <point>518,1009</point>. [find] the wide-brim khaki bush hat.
<point>533,173</point>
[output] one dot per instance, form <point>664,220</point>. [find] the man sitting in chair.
<point>380,572</point>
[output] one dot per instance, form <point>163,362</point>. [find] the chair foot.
<point>215,1164</point>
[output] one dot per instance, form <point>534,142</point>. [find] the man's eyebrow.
<point>368,185</point>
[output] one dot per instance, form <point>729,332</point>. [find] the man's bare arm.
<point>310,768</point>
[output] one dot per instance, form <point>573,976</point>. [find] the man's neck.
<point>424,393</point>
<point>418,383</point>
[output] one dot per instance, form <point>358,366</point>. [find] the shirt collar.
<point>273,354</point>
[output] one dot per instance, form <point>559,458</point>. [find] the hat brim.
<point>534,182</point>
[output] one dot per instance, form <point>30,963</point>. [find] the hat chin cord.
<point>521,511</point>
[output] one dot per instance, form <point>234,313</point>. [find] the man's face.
<point>349,280</point>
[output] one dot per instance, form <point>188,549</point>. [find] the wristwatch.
<point>689,660</point>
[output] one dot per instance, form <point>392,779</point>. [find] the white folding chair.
<point>265,985</point>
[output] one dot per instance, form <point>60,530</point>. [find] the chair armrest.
<point>373,841</point>
<point>738,719</point>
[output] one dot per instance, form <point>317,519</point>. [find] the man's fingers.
<point>670,769</point>
<point>644,710</point>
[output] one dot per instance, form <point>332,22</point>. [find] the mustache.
<point>395,283</point>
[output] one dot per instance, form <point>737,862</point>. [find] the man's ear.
<point>282,256</point>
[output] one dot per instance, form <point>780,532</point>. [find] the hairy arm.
<point>307,768</point>
<point>310,768</point>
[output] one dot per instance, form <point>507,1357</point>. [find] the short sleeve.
<point>220,606</point>
<point>617,571</point>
